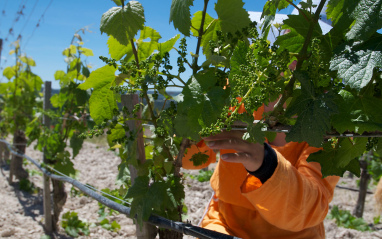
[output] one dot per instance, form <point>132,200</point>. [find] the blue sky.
<point>62,18</point>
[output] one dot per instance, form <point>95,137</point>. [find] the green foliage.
<point>201,105</point>
<point>344,218</point>
<point>368,20</point>
<point>329,83</point>
<point>102,101</point>
<point>203,176</point>
<point>73,225</point>
<point>377,220</point>
<point>314,113</point>
<point>232,15</point>
<point>115,22</point>
<point>374,167</point>
<point>161,198</point>
<point>27,186</point>
<point>356,61</point>
<point>113,226</point>
<point>20,94</point>
<point>199,159</point>
<point>342,157</point>
<point>33,172</point>
<point>103,211</point>
<point>180,15</point>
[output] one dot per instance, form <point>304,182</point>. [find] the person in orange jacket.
<point>264,191</point>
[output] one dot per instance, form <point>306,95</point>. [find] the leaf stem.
<point>195,66</point>
<point>288,91</point>
<point>299,10</point>
<point>168,75</point>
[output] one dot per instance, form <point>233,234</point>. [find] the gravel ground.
<point>21,214</point>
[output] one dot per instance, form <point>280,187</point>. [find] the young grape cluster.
<point>257,80</point>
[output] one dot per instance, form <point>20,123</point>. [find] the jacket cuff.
<point>269,165</point>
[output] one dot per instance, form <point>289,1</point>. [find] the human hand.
<point>251,155</point>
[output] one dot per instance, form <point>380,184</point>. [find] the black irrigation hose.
<point>352,189</point>
<point>162,222</point>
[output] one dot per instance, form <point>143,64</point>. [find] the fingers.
<point>225,135</point>
<point>236,144</point>
<point>251,155</point>
<point>250,162</point>
<point>236,157</point>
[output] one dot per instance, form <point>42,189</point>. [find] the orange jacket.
<point>291,204</point>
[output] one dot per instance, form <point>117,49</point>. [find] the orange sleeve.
<point>298,191</point>
<point>194,149</point>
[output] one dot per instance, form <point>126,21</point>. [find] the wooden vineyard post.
<point>46,181</point>
<point>364,181</point>
<point>129,101</point>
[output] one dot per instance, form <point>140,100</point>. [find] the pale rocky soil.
<point>21,214</point>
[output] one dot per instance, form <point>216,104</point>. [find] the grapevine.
<point>325,79</point>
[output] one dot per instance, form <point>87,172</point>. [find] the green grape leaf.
<point>177,188</point>
<point>76,144</point>
<point>196,21</point>
<point>167,45</point>
<point>123,174</point>
<point>102,100</point>
<point>99,78</point>
<point>139,188</point>
<point>342,158</point>
<point>210,35</point>
<point>58,100</point>
<point>81,96</point>
<point>266,25</point>
<point>157,194</point>
<point>199,159</point>
<point>379,147</point>
<point>86,51</point>
<point>313,113</point>
<point>307,5</point>
<point>27,60</point>
<point>85,70</point>
<point>9,72</point>
<point>239,57</point>
<point>115,226</point>
<point>368,19</point>
<point>34,81</point>
<point>118,2</point>
<point>201,106</point>
<point>117,50</point>
<point>355,62</point>
<point>58,75</point>
<point>123,24</point>
<point>357,113</point>
<point>147,197</point>
<point>63,164</point>
<point>232,15</point>
<point>168,166</point>
<point>293,41</point>
<point>148,32</point>
<point>272,6</point>
<point>180,15</point>
<point>146,48</point>
<point>339,12</point>
<point>254,132</point>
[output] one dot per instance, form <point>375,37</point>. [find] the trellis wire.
<point>155,220</point>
